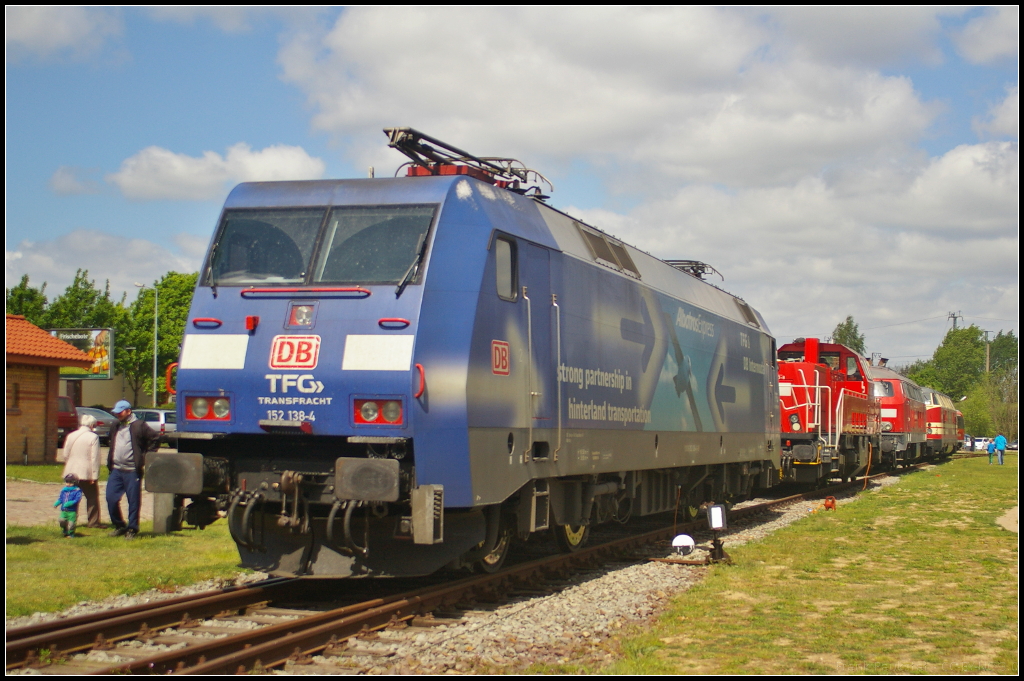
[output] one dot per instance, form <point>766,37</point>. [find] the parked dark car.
<point>67,418</point>
<point>164,421</point>
<point>104,422</point>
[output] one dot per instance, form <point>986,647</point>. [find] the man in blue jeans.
<point>130,440</point>
<point>1000,447</point>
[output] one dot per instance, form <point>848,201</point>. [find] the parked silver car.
<point>164,421</point>
<point>104,422</point>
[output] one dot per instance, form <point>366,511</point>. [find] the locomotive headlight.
<point>794,423</point>
<point>369,411</point>
<point>392,411</point>
<point>221,408</point>
<point>886,426</point>
<point>301,315</point>
<point>200,407</point>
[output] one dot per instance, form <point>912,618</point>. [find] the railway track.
<point>268,624</point>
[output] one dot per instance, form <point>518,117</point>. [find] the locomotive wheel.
<point>493,561</point>
<point>571,538</point>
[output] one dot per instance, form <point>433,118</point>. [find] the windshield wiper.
<point>208,274</point>
<point>414,268</point>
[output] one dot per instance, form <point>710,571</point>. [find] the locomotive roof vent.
<point>431,156</point>
<point>695,268</point>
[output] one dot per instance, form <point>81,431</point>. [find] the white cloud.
<point>1003,118</point>
<point>42,31</point>
<point>158,173</point>
<point>767,142</point>
<point>875,35</point>
<point>885,248</point>
<point>993,36</point>
<point>693,94</point>
<point>68,180</point>
<point>106,256</point>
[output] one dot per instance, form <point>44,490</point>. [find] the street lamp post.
<point>156,309</point>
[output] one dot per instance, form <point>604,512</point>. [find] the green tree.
<point>1003,351</point>
<point>82,305</point>
<point>175,297</point>
<point>923,373</point>
<point>848,333</point>
<point>27,300</point>
<point>960,361</point>
<point>977,417</point>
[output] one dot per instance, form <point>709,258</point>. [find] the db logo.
<point>294,352</point>
<point>499,358</point>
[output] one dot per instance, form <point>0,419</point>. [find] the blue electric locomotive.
<point>388,376</point>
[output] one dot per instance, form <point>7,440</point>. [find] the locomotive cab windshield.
<point>353,245</point>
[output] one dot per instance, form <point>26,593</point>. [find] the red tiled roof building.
<point>34,358</point>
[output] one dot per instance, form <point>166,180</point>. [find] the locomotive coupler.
<point>291,484</point>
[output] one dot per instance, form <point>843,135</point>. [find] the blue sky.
<point>828,161</point>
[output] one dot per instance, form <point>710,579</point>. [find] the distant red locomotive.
<point>904,438</point>
<point>941,429</point>
<point>829,419</point>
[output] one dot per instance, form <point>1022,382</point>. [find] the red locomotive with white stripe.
<point>829,418</point>
<point>941,429</point>
<point>904,437</point>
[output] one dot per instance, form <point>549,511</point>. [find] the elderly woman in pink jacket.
<point>82,458</point>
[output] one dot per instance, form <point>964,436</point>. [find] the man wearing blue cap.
<point>130,440</point>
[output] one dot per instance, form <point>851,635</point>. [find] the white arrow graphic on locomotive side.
<point>723,393</point>
<point>684,380</point>
<point>635,332</point>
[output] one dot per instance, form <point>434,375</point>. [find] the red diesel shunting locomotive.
<point>830,421</point>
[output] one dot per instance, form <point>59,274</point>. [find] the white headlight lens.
<point>369,411</point>
<point>221,407</point>
<point>392,411</point>
<point>200,407</point>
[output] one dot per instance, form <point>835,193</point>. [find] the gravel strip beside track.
<point>573,625</point>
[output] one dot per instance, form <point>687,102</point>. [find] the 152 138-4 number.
<point>291,415</point>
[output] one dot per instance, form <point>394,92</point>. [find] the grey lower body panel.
<point>498,472</point>
<point>282,551</point>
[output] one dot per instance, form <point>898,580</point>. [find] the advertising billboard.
<point>98,344</point>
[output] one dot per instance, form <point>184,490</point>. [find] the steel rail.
<point>80,633</point>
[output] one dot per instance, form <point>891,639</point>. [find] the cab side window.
<point>505,261</point>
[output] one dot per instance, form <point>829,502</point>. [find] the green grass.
<point>46,572</point>
<point>49,472</point>
<point>915,578</point>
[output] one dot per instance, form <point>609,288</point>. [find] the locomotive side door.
<point>537,318</point>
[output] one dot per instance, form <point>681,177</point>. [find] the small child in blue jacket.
<point>68,500</point>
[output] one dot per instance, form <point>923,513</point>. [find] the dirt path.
<point>1009,520</point>
<point>31,503</point>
